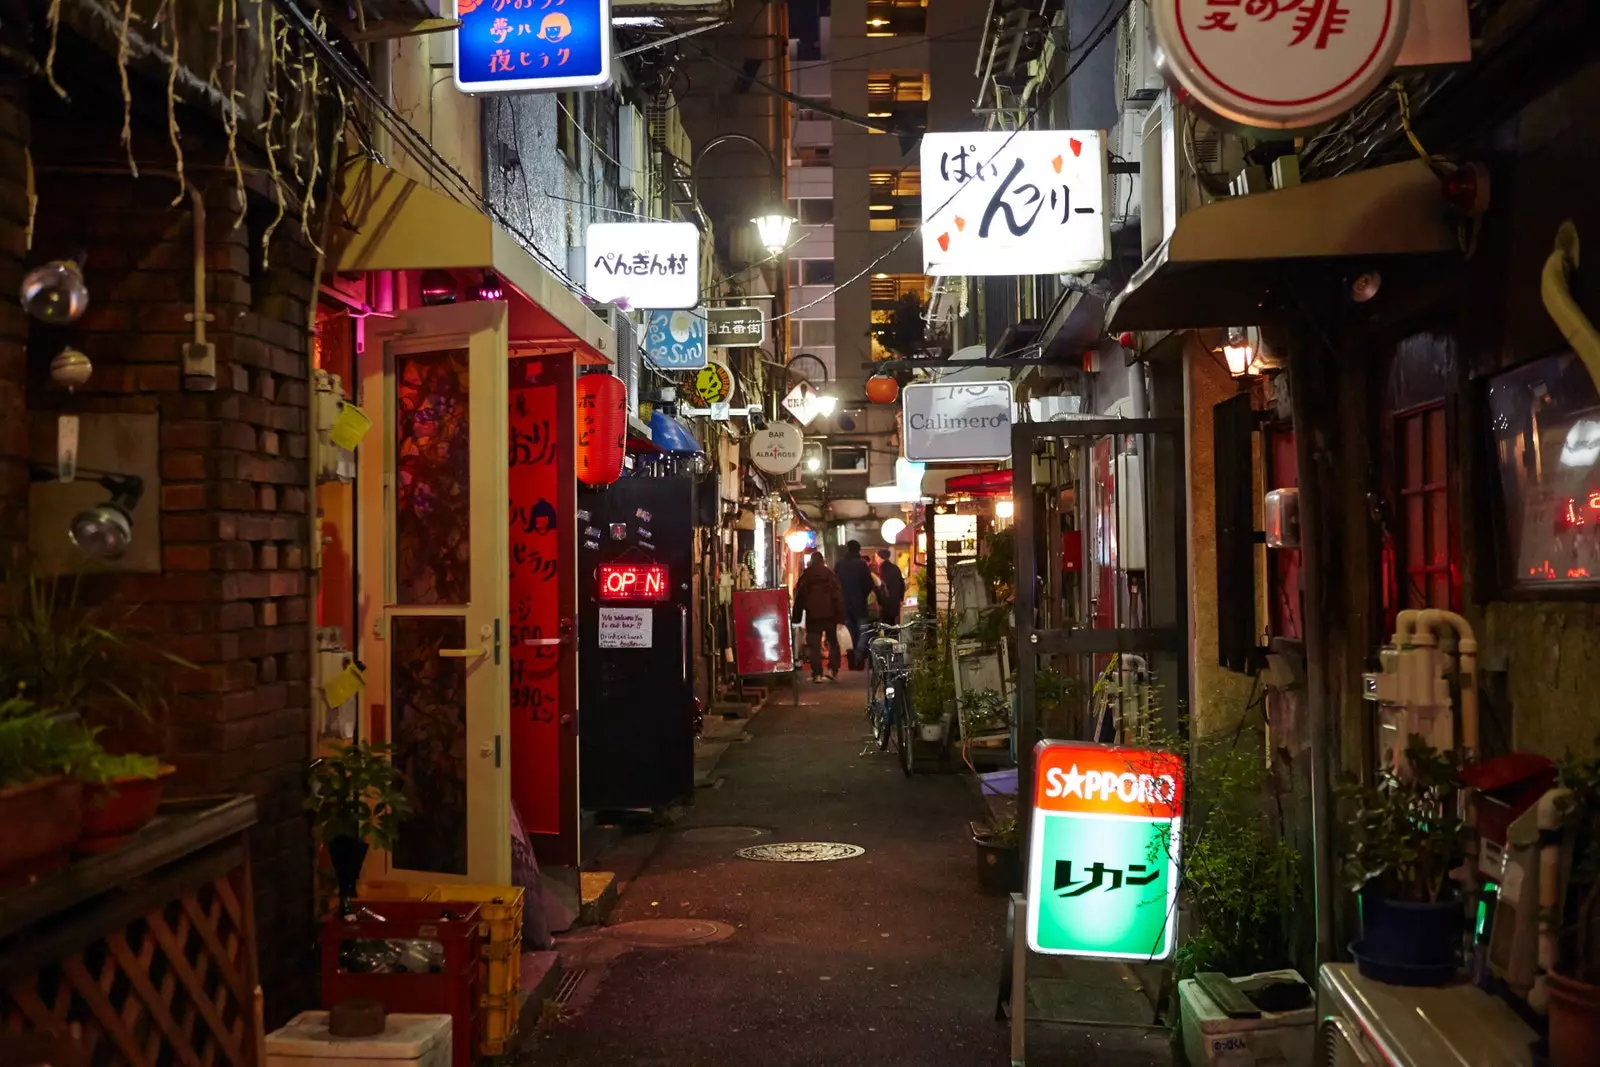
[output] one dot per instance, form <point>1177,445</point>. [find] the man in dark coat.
<point>855,578</point>
<point>891,588</point>
<point>818,598</point>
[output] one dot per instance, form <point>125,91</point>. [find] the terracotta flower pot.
<point>42,820</point>
<point>1574,1021</point>
<point>116,810</point>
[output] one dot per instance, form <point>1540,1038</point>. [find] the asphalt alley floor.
<point>889,959</point>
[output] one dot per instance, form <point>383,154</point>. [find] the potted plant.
<point>121,794</point>
<point>1573,983</point>
<point>999,856</point>
<point>1406,838</point>
<point>41,797</point>
<point>356,802</point>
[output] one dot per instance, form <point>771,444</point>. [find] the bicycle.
<point>889,690</point>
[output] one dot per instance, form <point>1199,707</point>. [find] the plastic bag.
<point>846,645</point>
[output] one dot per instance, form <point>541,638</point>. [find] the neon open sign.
<point>633,581</point>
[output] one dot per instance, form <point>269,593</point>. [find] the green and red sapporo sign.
<point>1103,859</point>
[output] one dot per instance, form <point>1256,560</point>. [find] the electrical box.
<point>1282,516</point>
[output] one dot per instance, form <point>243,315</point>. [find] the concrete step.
<point>599,897</point>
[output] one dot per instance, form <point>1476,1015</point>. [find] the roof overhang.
<point>1248,260</point>
<point>392,222</point>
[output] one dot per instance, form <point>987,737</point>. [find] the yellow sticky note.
<point>350,427</point>
<point>343,686</point>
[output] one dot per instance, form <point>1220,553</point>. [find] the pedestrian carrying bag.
<point>845,643</point>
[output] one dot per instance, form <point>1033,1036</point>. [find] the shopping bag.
<point>846,645</point>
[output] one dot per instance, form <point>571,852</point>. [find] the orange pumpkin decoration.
<point>882,389</point>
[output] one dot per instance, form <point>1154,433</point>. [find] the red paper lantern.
<point>602,428</point>
<point>882,389</point>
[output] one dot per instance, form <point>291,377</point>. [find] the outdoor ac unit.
<point>1172,137</point>
<point>1414,1026</point>
<point>1339,1045</point>
<point>1139,80</point>
<point>1127,141</point>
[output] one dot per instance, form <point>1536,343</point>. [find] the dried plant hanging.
<point>54,18</point>
<point>173,133</point>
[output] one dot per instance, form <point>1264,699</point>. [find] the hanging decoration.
<point>602,428</point>
<point>882,389</point>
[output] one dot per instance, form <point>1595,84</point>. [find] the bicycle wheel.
<point>902,726</point>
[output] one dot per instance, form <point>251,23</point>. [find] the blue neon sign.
<point>675,340</point>
<point>532,45</point>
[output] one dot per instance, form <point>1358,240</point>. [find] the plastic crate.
<point>502,968</point>
<point>500,922</point>
<point>499,1017</point>
<point>454,991</point>
<point>379,889</point>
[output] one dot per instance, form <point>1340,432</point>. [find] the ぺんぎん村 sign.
<point>957,423</point>
<point>532,45</point>
<point>1103,856</point>
<point>646,265</point>
<point>1014,203</point>
<point>1280,64</point>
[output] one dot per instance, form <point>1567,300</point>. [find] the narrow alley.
<point>889,958</point>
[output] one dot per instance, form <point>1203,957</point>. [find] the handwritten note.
<point>626,627</point>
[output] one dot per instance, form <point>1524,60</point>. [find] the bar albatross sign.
<point>1103,858</point>
<point>958,423</point>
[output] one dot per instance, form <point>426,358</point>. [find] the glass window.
<point>432,491</point>
<point>816,333</point>
<point>897,18</point>
<point>816,272</point>
<point>794,272</point>
<point>847,459</point>
<point>1545,421</point>
<point>816,212</point>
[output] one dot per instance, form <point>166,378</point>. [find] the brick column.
<point>13,320</point>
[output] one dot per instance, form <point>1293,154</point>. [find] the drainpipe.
<point>1138,395</point>
<point>1553,288</point>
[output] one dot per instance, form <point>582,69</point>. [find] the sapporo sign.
<point>957,423</point>
<point>740,327</point>
<point>1279,64</point>
<point>1103,858</point>
<point>1015,203</point>
<point>532,45</point>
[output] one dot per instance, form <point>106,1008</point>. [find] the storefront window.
<point>433,498</point>
<point>1545,418</point>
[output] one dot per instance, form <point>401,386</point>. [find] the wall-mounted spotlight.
<point>55,292</point>
<point>106,530</point>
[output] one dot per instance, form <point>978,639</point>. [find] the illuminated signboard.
<point>633,581</point>
<point>519,46</point>
<point>1103,857</point>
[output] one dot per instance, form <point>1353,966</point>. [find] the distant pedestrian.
<point>891,588</point>
<point>855,578</point>
<point>818,598</point>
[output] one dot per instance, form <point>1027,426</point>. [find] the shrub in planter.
<point>1406,838</point>
<point>41,797</point>
<point>999,856</point>
<point>356,802</point>
<point>1574,983</point>
<point>121,794</point>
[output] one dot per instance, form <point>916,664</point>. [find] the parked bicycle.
<point>889,688</point>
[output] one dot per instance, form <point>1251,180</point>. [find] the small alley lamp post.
<point>774,231</point>
<point>772,226</point>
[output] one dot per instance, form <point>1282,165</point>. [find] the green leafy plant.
<point>1000,830</point>
<point>1405,835</point>
<point>983,711</point>
<point>106,767</point>
<point>1578,941</point>
<point>35,744</point>
<point>356,793</point>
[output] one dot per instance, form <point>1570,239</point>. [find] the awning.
<point>1248,260</point>
<point>392,222</point>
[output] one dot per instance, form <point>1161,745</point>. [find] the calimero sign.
<point>1103,859</point>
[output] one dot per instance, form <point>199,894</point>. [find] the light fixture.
<point>1239,352</point>
<point>826,405</point>
<point>55,292</point>
<point>491,288</point>
<point>439,287</point>
<point>1004,508</point>
<point>813,463</point>
<point>1366,286</point>
<point>892,528</point>
<point>880,276</point>
<point>774,230</point>
<point>922,542</point>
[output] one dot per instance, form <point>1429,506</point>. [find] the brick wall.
<point>233,593</point>
<point>13,321</point>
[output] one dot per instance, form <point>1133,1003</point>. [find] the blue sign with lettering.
<point>532,45</point>
<point>675,340</point>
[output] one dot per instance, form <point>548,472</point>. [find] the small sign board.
<point>776,447</point>
<point>803,402</point>
<point>626,627</point>
<point>713,384</point>
<point>1103,856</point>
<point>675,340</point>
<point>647,265</point>
<point>521,47</point>
<point>958,423</point>
<point>740,327</point>
<point>763,638</point>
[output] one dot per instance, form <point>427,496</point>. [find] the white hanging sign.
<point>1279,64</point>
<point>958,423</point>
<point>651,265</point>
<point>626,627</point>
<point>1032,202</point>
<point>776,447</point>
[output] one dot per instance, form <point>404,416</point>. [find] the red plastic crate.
<point>453,992</point>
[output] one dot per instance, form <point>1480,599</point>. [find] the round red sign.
<point>1279,64</point>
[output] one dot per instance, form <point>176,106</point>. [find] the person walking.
<point>855,579</point>
<point>891,588</point>
<point>818,598</point>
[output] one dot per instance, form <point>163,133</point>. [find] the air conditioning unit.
<point>1366,1023</point>
<point>1127,141</point>
<point>1139,80</point>
<point>1173,136</point>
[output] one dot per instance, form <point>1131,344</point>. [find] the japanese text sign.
<point>957,423</point>
<point>643,264</point>
<point>743,327</point>
<point>1280,64</point>
<point>675,340</point>
<point>1032,202</point>
<point>532,45</point>
<point>1103,856</point>
<point>633,581</point>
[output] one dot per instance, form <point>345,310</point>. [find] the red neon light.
<point>633,581</point>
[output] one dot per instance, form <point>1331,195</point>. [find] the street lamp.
<point>772,226</point>
<point>774,230</point>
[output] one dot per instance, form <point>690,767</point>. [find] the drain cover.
<point>801,852</point>
<point>668,933</point>
<point>722,833</point>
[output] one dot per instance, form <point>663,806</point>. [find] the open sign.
<point>633,581</point>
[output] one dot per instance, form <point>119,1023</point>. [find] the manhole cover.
<point>716,834</point>
<point>669,933</point>
<point>801,852</point>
